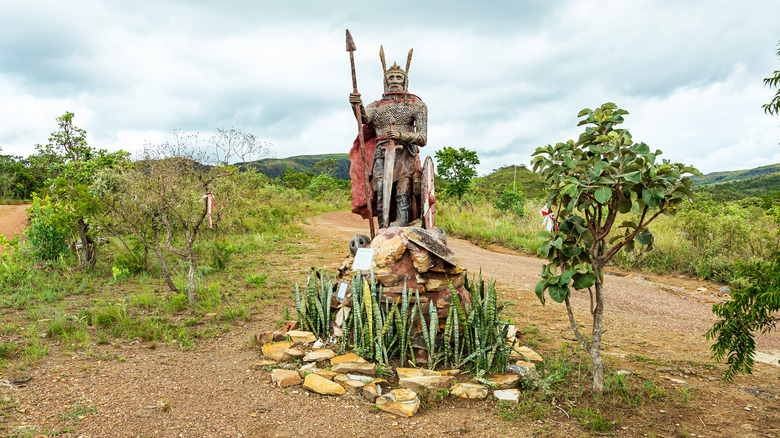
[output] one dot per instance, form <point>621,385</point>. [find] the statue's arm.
<point>420,134</point>
<point>356,101</point>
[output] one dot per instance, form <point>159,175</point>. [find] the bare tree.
<point>162,199</point>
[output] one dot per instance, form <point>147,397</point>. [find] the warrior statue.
<point>394,128</point>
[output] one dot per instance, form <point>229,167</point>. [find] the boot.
<point>404,204</point>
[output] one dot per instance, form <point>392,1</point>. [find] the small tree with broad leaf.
<point>594,182</point>
<point>457,167</point>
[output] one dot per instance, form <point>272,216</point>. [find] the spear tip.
<point>350,42</point>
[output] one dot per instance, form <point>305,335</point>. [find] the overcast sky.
<point>499,77</point>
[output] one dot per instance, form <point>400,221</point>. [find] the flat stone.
<point>307,368</point>
<point>507,395</point>
<point>349,357</point>
<point>520,370</point>
<point>354,367</point>
<point>523,363</point>
<point>360,377</point>
<point>450,372</point>
<point>275,350</point>
<point>264,338</point>
<point>371,392</point>
<point>317,345</point>
<point>404,373</point>
<point>340,379</point>
<point>301,337</point>
<point>257,366</point>
<point>402,402</point>
<point>319,355</point>
<point>284,378</point>
<point>529,354</point>
<point>353,387</point>
<point>505,381</point>
<point>431,383</point>
<point>279,336</point>
<point>469,390</point>
<point>330,375</point>
<point>316,383</point>
<point>293,353</point>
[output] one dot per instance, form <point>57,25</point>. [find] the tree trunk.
<point>164,270</point>
<point>87,245</point>
<point>191,275</point>
<point>595,345</point>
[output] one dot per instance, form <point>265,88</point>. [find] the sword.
<point>351,49</point>
<point>387,181</point>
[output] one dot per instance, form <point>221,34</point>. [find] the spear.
<point>351,49</point>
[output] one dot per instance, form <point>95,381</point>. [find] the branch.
<point>573,323</point>
<point>631,236</point>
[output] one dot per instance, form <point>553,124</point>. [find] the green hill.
<point>732,185</point>
<point>736,175</point>
<point>502,178</point>
<point>275,167</point>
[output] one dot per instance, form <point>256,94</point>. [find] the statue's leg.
<point>403,200</point>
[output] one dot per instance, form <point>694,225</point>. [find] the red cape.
<point>356,174</point>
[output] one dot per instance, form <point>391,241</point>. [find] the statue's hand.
<point>354,99</point>
<point>394,134</point>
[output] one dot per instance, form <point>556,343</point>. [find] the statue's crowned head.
<point>396,78</point>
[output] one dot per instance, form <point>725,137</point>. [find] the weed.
<point>76,412</point>
<point>592,420</point>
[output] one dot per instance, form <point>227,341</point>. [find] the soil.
<point>13,219</point>
<point>654,328</point>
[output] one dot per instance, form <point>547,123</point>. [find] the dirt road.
<point>13,219</point>
<point>132,389</point>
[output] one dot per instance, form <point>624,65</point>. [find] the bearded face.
<point>395,82</point>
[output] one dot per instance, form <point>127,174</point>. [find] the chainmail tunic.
<point>406,113</point>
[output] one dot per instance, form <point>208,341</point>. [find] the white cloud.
<point>501,80</point>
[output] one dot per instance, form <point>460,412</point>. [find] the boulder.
<point>505,381</point>
<point>404,373</point>
<point>430,383</point>
<point>371,392</point>
<point>354,367</point>
<point>402,402</point>
<point>293,353</point>
<point>353,387</point>
<point>330,375</point>
<point>284,378</point>
<point>319,355</point>
<point>349,357</point>
<point>507,395</point>
<point>525,353</point>
<point>275,350</point>
<point>264,338</point>
<point>301,337</point>
<point>469,390</point>
<point>257,366</point>
<point>321,385</point>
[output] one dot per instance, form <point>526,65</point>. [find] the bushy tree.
<point>773,107</point>
<point>69,165</point>
<point>457,167</point>
<point>752,308</point>
<point>594,181</point>
<point>326,166</point>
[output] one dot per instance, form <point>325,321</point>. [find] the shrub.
<point>511,202</point>
<point>47,231</point>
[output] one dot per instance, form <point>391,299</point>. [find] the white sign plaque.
<point>342,290</point>
<point>363,259</point>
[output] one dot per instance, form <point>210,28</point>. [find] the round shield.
<point>428,195</point>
